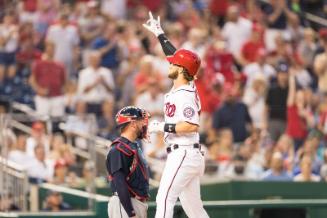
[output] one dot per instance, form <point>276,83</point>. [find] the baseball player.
<point>185,161</point>
<point>127,168</point>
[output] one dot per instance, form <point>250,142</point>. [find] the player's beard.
<point>142,132</point>
<point>173,74</point>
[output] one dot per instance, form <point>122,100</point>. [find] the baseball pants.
<point>116,210</point>
<point>181,179</point>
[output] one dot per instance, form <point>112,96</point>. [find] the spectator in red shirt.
<point>299,117</point>
<point>209,95</point>
<point>218,59</point>
<point>27,53</point>
<point>252,46</point>
<point>48,80</point>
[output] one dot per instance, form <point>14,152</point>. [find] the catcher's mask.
<point>129,114</point>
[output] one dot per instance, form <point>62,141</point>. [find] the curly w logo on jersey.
<point>170,109</point>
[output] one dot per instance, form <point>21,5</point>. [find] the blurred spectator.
<point>39,169</point>
<point>106,123</point>
<point>95,84</point>
<point>320,63</point>
<point>251,47</point>
<point>285,146</point>
<point>89,177</point>
<point>254,98</point>
<point>277,171</point>
<point>298,114</point>
<point>108,47</point>
<point>236,30</point>
<point>254,152</point>
<point>54,202</point>
<point>322,110</point>
<point>237,169</point>
<point>310,148</point>
<point>61,151</point>
<point>219,60</point>
<point>81,122</point>
<point>18,154</point>
<point>307,47</point>
<point>60,172</point>
<point>323,170</point>
<point>8,44</point>
<point>232,114</point>
<point>127,72</point>
<point>303,78</point>
<point>276,103</point>
<point>91,24</point>
<point>145,74</point>
<point>196,41</point>
<point>48,79</point>
<point>38,136</point>
<point>7,203</point>
<point>277,13</point>
<point>45,15</point>
<point>152,100</point>
<point>115,8</point>
<point>66,40</point>
<point>161,65</point>
<point>210,97</point>
<point>306,175</point>
<point>28,52</point>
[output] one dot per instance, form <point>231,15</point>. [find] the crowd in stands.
<point>262,82</point>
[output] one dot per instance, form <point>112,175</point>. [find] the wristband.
<point>170,127</point>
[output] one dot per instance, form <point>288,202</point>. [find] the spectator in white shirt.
<point>254,98</point>
<point>38,136</point>
<point>19,154</point>
<point>260,67</point>
<point>236,30</point>
<point>66,39</point>
<point>39,169</point>
<point>95,84</point>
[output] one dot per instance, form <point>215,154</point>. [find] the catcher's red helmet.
<point>187,59</point>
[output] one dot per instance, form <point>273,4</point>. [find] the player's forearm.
<point>123,193</point>
<point>167,47</point>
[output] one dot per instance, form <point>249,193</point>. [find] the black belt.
<point>176,146</point>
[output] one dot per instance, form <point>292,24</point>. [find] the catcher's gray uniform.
<point>116,210</point>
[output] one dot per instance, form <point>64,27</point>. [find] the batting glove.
<point>156,126</point>
<point>153,25</point>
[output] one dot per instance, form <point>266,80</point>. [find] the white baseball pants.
<point>181,179</point>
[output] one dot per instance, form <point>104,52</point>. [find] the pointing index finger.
<point>150,15</point>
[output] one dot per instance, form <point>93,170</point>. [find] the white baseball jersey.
<point>182,104</point>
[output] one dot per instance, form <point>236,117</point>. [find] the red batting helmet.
<point>187,59</point>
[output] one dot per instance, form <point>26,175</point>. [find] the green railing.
<point>221,200</point>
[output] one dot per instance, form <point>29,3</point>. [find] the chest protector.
<point>137,178</point>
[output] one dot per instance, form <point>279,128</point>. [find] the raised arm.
<point>292,88</point>
<point>154,27</point>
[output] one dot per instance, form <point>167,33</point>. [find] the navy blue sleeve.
<point>115,161</point>
<point>167,47</point>
<point>119,181</point>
